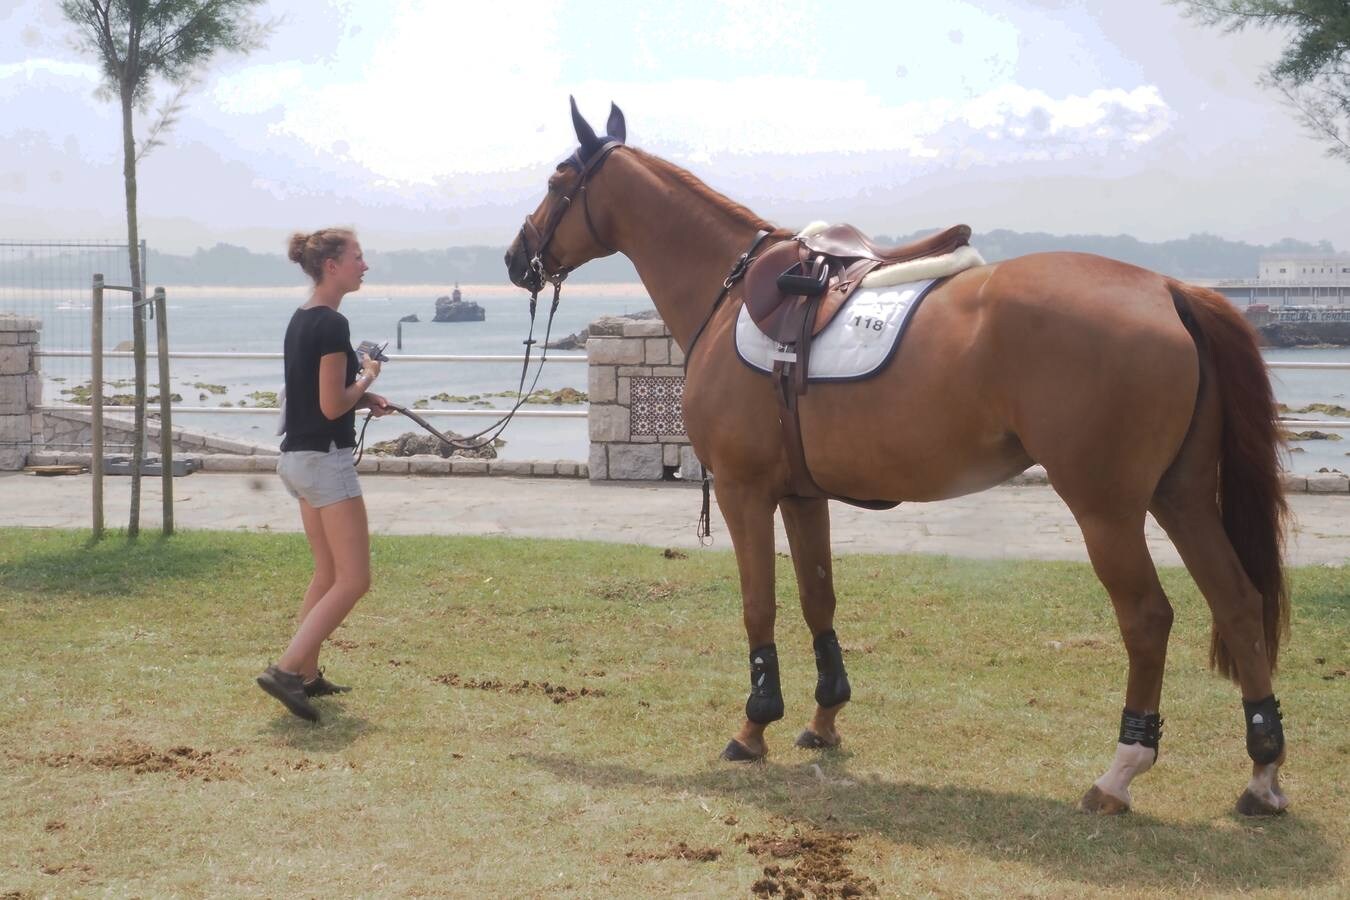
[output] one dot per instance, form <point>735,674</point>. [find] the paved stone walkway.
<point>1028,522</point>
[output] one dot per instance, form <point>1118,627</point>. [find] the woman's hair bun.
<point>310,250</point>
<point>297,247</point>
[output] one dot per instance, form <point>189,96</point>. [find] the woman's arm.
<point>335,398</point>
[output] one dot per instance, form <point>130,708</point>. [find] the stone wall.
<point>20,390</point>
<point>66,430</point>
<point>635,383</point>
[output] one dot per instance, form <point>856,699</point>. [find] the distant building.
<point>1305,268</point>
<point>1293,279</point>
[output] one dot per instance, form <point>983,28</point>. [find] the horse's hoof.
<point>737,752</point>
<point>809,740</point>
<point>1251,805</point>
<point>1099,802</point>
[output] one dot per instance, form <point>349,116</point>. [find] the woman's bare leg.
<point>348,541</point>
<point>322,581</point>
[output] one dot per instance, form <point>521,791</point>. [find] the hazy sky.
<point>431,123</point>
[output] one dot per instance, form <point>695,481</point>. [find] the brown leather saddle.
<point>825,267</point>
<point>793,290</point>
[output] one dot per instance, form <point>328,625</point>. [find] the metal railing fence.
<point>526,413</point>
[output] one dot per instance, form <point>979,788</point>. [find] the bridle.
<point>537,272</point>
<point>536,276</point>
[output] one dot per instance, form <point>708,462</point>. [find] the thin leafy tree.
<point>139,43</point>
<point>1313,72</point>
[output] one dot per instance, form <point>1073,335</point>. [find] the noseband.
<point>538,273</point>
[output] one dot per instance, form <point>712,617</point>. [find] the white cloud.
<point>21,75</point>
<point>259,88</point>
<point>443,93</point>
<point>1014,118</point>
<point>449,89</point>
<point>696,120</point>
<point>409,137</point>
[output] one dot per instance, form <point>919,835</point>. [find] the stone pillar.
<point>635,385</point>
<point>20,390</point>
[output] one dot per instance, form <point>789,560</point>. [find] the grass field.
<point>541,719</point>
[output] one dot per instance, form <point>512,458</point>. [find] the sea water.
<point>254,320</point>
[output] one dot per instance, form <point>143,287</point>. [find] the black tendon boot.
<point>1265,730</point>
<point>831,680</point>
<point>765,703</point>
<point>1145,730</point>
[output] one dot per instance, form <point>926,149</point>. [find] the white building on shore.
<point>1306,268</point>
<point>1293,279</point>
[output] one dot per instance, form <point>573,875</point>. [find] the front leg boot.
<point>765,703</point>
<point>832,686</point>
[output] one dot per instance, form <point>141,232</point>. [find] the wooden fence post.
<point>96,406</point>
<point>165,409</point>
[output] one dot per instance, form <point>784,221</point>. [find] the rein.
<point>483,438</point>
<point>738,270</point>
<point>536,276</point>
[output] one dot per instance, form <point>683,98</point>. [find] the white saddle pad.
<point>858,342</point>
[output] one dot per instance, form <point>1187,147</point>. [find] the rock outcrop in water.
<point>578,341</point>
<point>412,443</point>
<point>455,308</point>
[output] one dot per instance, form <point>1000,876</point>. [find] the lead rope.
<point>477,441</point>
<point>704,531</point>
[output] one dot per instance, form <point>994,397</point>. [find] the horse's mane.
<point>691,181</point>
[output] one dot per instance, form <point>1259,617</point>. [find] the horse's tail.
<point>1251,498</point>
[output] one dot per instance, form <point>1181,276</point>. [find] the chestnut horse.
<point>1136,392</point>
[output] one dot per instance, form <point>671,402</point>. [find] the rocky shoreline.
<point>1305,334</point>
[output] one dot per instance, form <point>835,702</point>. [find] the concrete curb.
<point>1321,483</point>
<point>369,465</point>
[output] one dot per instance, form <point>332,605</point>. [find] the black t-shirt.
<point>312,334</point>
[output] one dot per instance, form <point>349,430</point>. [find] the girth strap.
<point>790,373</point>
<point>790,383</point>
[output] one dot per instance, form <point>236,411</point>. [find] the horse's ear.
<point>615,127</point>
<point>585,133</point>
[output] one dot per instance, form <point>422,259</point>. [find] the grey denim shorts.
<point>319,477</point>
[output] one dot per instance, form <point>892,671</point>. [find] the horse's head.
<point>556,237</point>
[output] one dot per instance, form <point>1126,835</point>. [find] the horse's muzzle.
<point>518,262</point>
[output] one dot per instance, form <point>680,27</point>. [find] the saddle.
<point>825,267</point>
<point>793,290</point>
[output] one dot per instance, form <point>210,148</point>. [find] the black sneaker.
<point>322,687</point>
<point>290,690</point>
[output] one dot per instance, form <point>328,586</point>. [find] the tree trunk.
<point>137,309</point>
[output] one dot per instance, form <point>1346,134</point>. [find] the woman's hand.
<point>370,368</point>
<point>378,406</point>
<point>335,400</point>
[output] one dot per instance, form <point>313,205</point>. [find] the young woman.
<point>325,384</point>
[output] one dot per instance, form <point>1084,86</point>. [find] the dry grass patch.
<point>184,762</point>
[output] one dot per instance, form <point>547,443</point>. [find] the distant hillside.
<point>225,264</point>
<point>1198,256</point>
